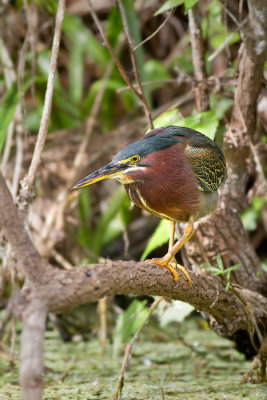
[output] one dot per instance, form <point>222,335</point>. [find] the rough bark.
<point>66,289</point>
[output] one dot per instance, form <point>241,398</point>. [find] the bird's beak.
<point>109,171</point>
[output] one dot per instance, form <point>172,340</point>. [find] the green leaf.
<point>126,212</point>
<point>233,267</point>
<point>103,232</point>
<point>264,266</point>
<point>204,122</point>
<point>258,203</point>
<point>210,268</point>
<point>113,230</point>
<point>220,262</point>
<point>76,71</point>
<point>155,70</point>
<point>168,118</point>
<point>249,219</point>
<point>160,236</point>
<point>220,105</point>
<point>128,323</point>
<point>7,111</point>
<point>168,5</point>
<point>218,39</point>
<point>84,204</point>
<point>177,311</point>
<point>80,35</point>
<point>189,4</point>
<point>110,84</point>
<point>114,26</point>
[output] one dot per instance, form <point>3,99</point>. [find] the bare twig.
<point>61,260</point>
<point>13,339</point>
<point>66,372</point>
<point>155,32</point>
<point>141,94</point>
<point>36,159</point>
<point>91,121</point>
<point>149,83</point>
<point>5,319</point>
<point>225,43</point>
<point>54,219</point>
<point>129,349</point>
<point>102,312</point>
<point>259,363</point>
<point>231,15</point>
<point>115,58</point>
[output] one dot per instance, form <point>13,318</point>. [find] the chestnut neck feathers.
<point>167,186</point>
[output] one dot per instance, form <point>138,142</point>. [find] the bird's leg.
<point>166,260</point>
<point>172,233</point>
<point>168,265</point>
<point>171,241</point>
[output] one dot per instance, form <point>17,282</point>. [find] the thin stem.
<point>41,138</point>
<point>141,94</point>
<point>226,42</point>
<point>110,49</point>
<point>54,219</point>
<point>129,348</point>
<point>155,32</point>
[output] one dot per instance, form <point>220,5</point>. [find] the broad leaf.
<point>204,122</point>
<point>160,236</point>
<point>128,323</point>
<point>177,311</point>
<point>168,118</point>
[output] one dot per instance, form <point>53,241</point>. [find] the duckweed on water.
<point>209,369</point>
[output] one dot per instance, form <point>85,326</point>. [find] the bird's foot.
<point>182,268</point>
<point>172,267</point>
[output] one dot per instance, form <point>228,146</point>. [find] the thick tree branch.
<point>59,289</point>
<point>67,289</point>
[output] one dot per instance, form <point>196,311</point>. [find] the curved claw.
<point>182,268</point>
<point>161,262</point>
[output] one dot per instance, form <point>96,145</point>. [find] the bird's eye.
<point>135,158</point>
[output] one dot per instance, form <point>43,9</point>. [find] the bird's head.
<point>133,161</point>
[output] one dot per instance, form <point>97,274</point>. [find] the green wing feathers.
<point>208,165</point>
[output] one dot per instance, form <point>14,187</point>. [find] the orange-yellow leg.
<point>169,258</point>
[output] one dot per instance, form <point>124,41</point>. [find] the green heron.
<point>174,173</point>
